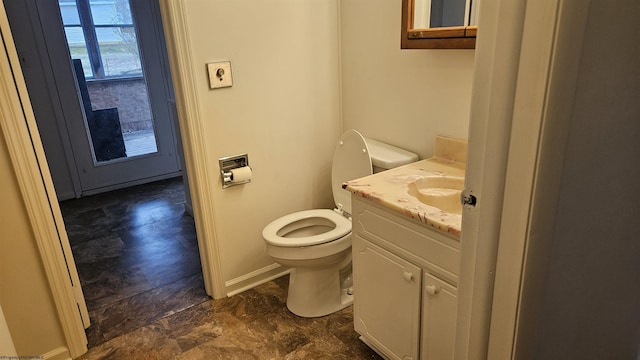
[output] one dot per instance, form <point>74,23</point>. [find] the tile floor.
<point>251,325</point>
<point>137,258</point>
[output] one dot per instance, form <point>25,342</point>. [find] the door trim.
<point>27,156</point>
<point>198,169</point>
<point>494,85</point>
<point>539,66</point>
<point>551,50</point>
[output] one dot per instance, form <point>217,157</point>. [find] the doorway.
<point>40,40</point>
<point>124,134</point>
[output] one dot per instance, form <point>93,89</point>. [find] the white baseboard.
<point>61,353</point>
<point>255,278</point>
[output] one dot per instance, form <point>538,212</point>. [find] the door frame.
<point>524,89</point>
<point>28,159</point>
<point>194,145</point>
<point>497,57</point>
<point>551,52</point>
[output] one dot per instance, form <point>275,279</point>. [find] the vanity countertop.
<point>390,189</point>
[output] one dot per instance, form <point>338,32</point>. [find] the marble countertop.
<point>390,189</point>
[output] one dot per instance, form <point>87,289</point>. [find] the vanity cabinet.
<point>404,279</point>
<point>439,310</point>
<point>387,305</point>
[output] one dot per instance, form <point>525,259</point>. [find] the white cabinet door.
<point>386,300</point>
<point>438,319</point>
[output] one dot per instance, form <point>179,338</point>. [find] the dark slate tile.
<point>144,308</point>
<point>232,328</point>
<point>109,246</point>
<point>107,281</point>
<point>137,257</point>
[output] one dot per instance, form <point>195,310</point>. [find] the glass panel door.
<point>104,48</point>
<point>120,125</point>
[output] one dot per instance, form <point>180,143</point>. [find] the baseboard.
<point>61,353</point>
<point>188,209</point>
<point>255,278</point>
<point>68,195</point>
<point>131,183</point>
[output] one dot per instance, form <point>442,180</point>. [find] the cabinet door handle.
<point>408,276</point>
<point>432,290</point>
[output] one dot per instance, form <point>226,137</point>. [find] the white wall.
<point>403,97</point>
<point>591,307</point>
<point>283,110</point>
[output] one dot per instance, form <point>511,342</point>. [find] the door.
<point>439,314</point>
<point>390,320</point>
<point>124,133</point>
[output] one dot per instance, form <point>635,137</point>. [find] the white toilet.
<point>316,244</point>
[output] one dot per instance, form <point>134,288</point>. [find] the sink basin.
<point>442,192</point>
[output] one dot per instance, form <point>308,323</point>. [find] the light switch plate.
<point>220,74</point>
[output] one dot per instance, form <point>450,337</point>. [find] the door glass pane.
<point>110,12</point>
<point>115,99</point>
<point>119,51</point>
<point>69,12</point>
<point>78,48</point>
<point>124,110</point>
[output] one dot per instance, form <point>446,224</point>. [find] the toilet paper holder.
<point>229,163</point>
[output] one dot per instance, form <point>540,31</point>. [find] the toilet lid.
<point>351,161</point>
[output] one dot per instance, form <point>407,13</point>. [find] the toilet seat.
<point>273,235</point>
<point>351,160</point>
<point>316,244</point>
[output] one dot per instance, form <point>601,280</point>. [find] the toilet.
<point>316,244</point>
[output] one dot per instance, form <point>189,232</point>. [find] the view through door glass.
<point>104,48</point>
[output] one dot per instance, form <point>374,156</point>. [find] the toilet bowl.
<point>316,244</point>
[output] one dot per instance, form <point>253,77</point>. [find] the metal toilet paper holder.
<point>229,163</point>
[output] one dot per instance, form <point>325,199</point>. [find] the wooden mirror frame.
<point>455,37</point>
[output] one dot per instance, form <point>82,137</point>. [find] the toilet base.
<point>315,292</point>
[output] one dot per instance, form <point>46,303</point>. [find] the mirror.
<point>439,24</point>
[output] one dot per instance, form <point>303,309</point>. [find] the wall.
<point>403,97</point>
<point>6,342</point>
<point>25,296</point>
<point>283,110</point>
<point>591,301</point>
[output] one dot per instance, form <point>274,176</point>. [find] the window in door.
<point>103,45</point>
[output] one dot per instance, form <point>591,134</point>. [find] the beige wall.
<point>283,110</point>
<point>403,97</point>
<point>6,342</point>
<point>24,290</point>
<point>297,67</point>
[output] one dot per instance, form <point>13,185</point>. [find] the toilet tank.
<point>385,156</point>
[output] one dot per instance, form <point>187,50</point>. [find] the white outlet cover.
<point>220,74</point>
